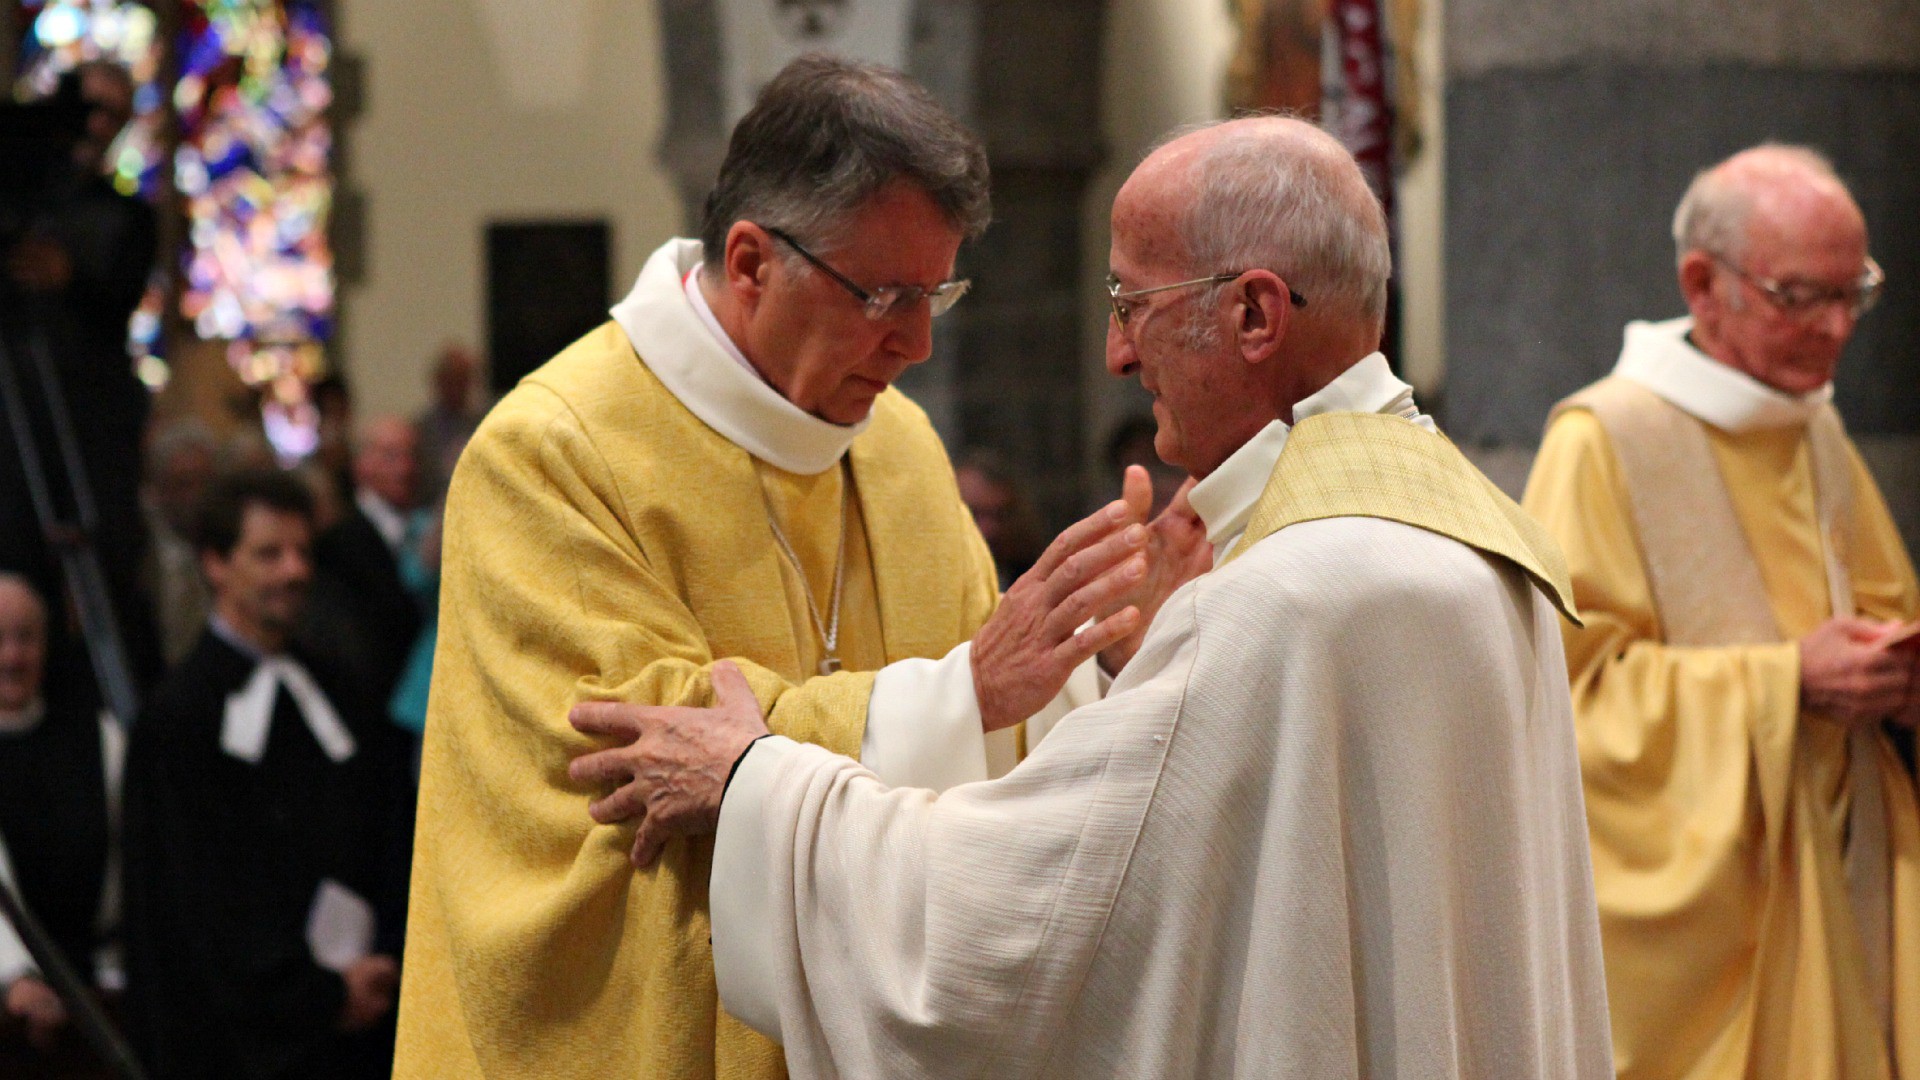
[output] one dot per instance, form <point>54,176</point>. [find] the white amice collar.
<point>730,397</point>
<point>1658,356</point>
<point>1226,498</point>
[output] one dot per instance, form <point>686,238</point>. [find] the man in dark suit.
<point>363,616</point>
<point>270,821</point>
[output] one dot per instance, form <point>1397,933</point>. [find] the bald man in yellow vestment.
<point>1756,852</point>
<point>720,472</point>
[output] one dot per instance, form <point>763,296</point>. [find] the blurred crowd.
<point>193,854</point>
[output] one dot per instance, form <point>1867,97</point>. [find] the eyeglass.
<point>1123,301</point>
<point>1801,299</point>
<point>888,300</point>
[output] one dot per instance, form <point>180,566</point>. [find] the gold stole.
<point>1707,591</point>
<point>1382,466</point>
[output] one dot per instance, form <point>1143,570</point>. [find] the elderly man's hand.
<point>1847,674</point>
<point>1071,605</point>
<point>1177,552</point>
<point>671,763</point>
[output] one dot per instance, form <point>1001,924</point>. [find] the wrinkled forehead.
<point>1146,226</point>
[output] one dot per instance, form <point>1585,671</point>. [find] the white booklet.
<point>339,926</point>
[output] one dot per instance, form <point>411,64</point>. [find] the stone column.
<point>1020,375</point>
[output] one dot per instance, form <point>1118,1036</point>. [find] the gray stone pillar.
<point>1020,378</point>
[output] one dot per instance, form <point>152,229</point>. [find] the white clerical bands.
<point>249,714</point>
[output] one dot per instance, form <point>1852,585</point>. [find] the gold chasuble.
<point>1376,465</point>
<point>1757,869</point>
<point>605,543</point>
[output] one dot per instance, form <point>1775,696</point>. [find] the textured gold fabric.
<point>602,542</point>
<point>1382,466</point>
<point>1717,812</point>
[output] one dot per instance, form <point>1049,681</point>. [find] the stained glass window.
<point>254,168</point>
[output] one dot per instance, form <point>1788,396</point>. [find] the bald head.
<point>1773,188</point>
<point>1772,260</point>
<point>23,643</point>
<point>1251,264</point>
<point>1277,193</point>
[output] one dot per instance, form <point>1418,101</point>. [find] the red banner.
<point>1365,121</point>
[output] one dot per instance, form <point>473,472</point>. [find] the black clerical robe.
<point>225,860</point>
<point>53,813</point>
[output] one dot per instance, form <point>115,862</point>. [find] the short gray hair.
<point>1265,198</point>
<point>824,137</point>
<point>1713,214</point>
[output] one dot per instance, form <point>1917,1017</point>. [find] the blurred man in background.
<point>271,810</point>
<point>60,782</point>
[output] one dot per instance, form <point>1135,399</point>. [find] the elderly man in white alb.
<point>1327,822</point>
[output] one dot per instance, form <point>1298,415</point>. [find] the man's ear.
<point>748,259</point>
<point>1696,281</point>
<point>1262,312</point>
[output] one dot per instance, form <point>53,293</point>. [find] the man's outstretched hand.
<point>1177,552</point>
<point>1059,614</point>
<point>670,763</point>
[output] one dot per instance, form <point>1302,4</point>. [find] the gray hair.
<point>1266,198</point>
<point>1713,214</point>
<point>824,137</point>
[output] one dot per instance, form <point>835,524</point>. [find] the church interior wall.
<point>488,110</point>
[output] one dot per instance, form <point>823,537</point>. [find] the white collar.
<point>387,520</point>
<point>249,713</point>
<point>698,298</point>
<point>1226,498</point>
<point>24,720</point>
<point>672,340</point>
<point>1658,356</point>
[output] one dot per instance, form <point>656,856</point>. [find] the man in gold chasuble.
<point>1756,853</point>
<point>722,472</point>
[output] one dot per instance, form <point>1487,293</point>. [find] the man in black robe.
<point>58,761</point>
<point>270,822</point>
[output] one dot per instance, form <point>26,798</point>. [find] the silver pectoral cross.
<point>829,664</point>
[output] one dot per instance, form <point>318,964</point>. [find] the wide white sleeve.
<point>923,722</point>
<point>878,931</point>
<point>15,961</point>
